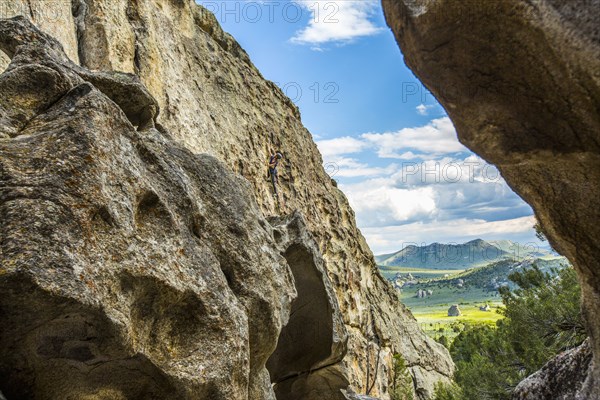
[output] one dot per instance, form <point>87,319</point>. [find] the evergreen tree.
<point>402,384</point>
<point>542,318</point>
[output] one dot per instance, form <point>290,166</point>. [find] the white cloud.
<point>423,109</point>
<point>340,146</point>
<point>446,170</point>
<point>409,155</point>
<point>382,205</point>
<point>436,138</point>
<point>437,191</point>
<point>440,190</point>
<point>337,21</point>
<point>392,238</point>
<point>351,168</point>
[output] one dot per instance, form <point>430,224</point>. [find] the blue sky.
<point>383,136</point>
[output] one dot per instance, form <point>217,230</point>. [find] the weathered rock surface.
<point>549,383</point>
<point>34,52</point>
<point>53,17</point>
<point>350,395</point>
<point>213,100</point>
<point>117,279</point>
<point>521,82</point>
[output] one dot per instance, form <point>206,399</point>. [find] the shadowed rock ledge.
<point>521,82</point>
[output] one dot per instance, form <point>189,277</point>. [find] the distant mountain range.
<point>461,256</point>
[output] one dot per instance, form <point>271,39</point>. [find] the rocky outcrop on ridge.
<point>210,99</point>
<point>521,82</point>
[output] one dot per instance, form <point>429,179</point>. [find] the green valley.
<point>429,292</point>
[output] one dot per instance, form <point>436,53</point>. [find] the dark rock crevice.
<point>79,11</point>
<point>140,34</point>
<point>307,339</point>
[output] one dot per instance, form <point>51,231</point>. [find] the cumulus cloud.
<point>436,189</point>
<point>340,146</point>
<point>408,195</point>
<point>382,205</point>
<point>339,166</point>
<point>337,21</point>
<point>446,170</point>
<point>351,168</point>
<point>393,238</point>
<point>436,138</point>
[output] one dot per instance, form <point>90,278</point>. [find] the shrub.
<point>402,383</point>
<point>447,392</point>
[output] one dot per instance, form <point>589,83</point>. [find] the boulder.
<point>520,82</point>
<point>351,395</point>
<point>454,311</point>
<point>571,366</point>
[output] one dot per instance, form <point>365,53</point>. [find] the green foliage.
<point>447,392</point>
<point>483,358</point>
<point>443,340</point>
<point>542,318</point>
<point>402,384</point>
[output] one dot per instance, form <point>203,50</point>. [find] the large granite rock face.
<point>131,268</point>
<point>213,100</point>
<point>521,82</point>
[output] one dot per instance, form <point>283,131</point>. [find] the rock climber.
<point>274,158</point>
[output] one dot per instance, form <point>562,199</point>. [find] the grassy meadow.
<point>432,312</point>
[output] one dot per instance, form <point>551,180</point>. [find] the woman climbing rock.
<point>274,157</point>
